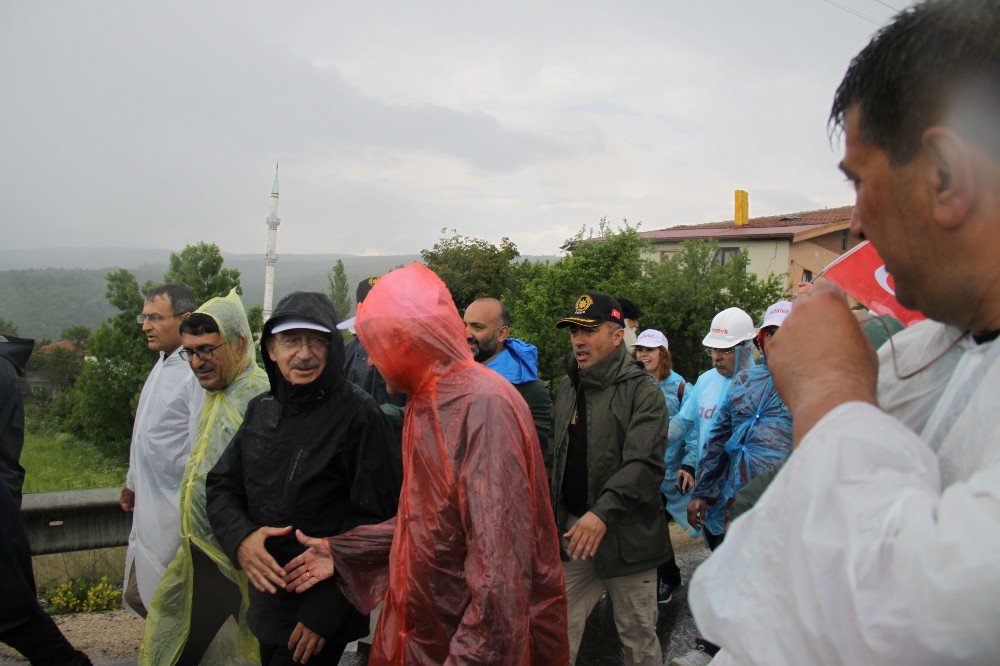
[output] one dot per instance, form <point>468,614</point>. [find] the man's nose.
<point>855,227</point>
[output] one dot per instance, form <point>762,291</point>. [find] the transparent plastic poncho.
<point>752,433</point>
<point>169,620</point>
<point>469,569</point>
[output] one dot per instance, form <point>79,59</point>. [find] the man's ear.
<point>241,346</point>
<point>503,333</point>
<point>619,335</point>
<point>950,174</point>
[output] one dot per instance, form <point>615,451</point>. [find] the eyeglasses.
<point>205,353</point>
<point>314,342</point>
<point>153,318</point>
<point>726,352</point>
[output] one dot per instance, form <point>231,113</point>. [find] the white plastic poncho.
<point>879,542</point>
<point>168,624</point>
<point>165,422</point>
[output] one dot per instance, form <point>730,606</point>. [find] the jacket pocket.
<point>643,536</point>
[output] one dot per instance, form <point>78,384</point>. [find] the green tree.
<point>612,264</point>
<point>7,327</point>
<point>78,335</point>
<point>199,268</point>
<point>680,297</point>
<point>339,290</point>
<point>106,391</point>
<point>472,267</point>
<point>255,316</point>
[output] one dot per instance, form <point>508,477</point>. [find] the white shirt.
<point>879,542</point>
<point>165,422</point>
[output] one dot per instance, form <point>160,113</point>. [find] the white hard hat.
<point>775,315</point>
<point>729,328</point>
<point>651,338</point>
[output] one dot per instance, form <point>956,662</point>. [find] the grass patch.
<point>60,462</point>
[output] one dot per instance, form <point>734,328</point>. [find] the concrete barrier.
<point>71,520</point>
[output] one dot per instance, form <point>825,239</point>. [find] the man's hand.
<point>261,569</point>
<point>820,358</point>
<point>127,499</point>
<point>585,536</point>
<point>304,643</point>
<point>310,567</point>
<point>696,510</point>
<point>684,481</point>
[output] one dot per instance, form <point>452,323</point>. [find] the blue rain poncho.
<point>691,428</point>
<point>751,434</point>
<point>676,502</point>
<point>168,624</point>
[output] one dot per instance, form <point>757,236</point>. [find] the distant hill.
<point>46,291</point>
<point>44,301</point>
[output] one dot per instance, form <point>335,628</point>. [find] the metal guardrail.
<point>72,520</point>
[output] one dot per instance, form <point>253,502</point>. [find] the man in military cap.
<point>609,436</point>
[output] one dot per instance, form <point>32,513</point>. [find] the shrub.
<point>82,595</point>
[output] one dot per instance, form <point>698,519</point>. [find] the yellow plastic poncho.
<point>169,620</point>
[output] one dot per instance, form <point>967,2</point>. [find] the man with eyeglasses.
<point>165,422</point>
<point>201,589</point>
<point>751,433</point>
<point>314,453</point>
<point>728,344</point>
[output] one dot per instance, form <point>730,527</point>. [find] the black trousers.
<point>668,572</point>
<point>714,540</point>
<point>41,642</point>
<point>215,599</point>
<point>280,655</point>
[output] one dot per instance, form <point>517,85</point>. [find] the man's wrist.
<point>809,412</point>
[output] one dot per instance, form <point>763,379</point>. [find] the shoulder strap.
<point>680,391</point>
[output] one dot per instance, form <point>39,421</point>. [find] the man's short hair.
<point>915,67</point>
<point>504,315</point>
<point>199,323</point>
<point>180,297</point>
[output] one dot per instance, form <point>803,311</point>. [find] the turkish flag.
<point>861,273</point>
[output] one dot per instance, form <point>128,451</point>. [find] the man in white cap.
<point>751,433</point>
<point>313,453</point>
<point>728,343</point>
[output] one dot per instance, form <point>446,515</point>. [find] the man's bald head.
<point>487,325</point>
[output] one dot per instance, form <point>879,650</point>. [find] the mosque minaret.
<point>271,257</point>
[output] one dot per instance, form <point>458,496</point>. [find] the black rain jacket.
<point>320,457</point>
<point>14,353</point>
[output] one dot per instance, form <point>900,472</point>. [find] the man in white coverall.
<point>165,421</point>
<point>879,542</point>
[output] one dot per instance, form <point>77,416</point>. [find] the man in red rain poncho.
<point>469,569</point>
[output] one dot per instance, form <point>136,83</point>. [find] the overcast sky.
<point>158,124</point>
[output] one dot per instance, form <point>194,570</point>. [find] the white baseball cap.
<point>347,325</point>
<point>290,324</point>
<point>775,315</point>
<point>651,338</point>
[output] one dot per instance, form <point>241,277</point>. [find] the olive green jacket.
<point>626,440</point>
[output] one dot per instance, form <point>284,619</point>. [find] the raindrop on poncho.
<point>169,619</point>
<point>469,569</point>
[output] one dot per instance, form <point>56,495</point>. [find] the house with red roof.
<point>798,245</point>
